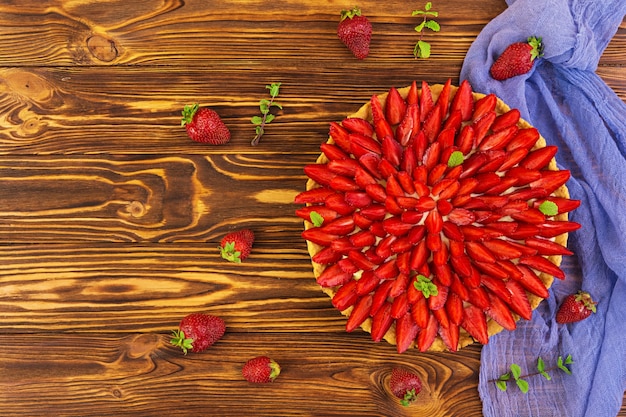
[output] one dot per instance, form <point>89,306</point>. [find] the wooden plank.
<point>145,288</point>
<point>147,198</point>
<point>140,374</point>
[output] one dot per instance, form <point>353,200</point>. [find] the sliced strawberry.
<point>512,159</point>
<point>519,300</point>
<point>320,173</point>
<point>346,167</point>
<point>406,331</point>
<point>395,107</point>
<point>496,286</point>
<point>510,118</point>
<point>362,145</point>
<point>362,238</point>
<point>392,150</point>
<point>450,336</point>
<point>475,323</point>
<point>531,282</point>
<point>333,152</point>
<point>400,306</point>
<point>443,101</point>
<point>345,296</point>
<point>550,180</point>
<point>482,126</point>
<point>318,236</point>
<point>326,256</point>
<point>544,265</point>
<point>412,96</point>
<point>314,195</point>
<point>539,158</point>
<point>420,312</point>
<point>340,136</point>
<point>454,308</point>
<point>333,276</point>
<point>381,293</point>
<point>426,101</point>
<point>326,213</point>
<point>465,139</point>
<point>564,205</point>
<point>359,199</point>
<point>360,260</point>
<point>358,125</point>
<point>547,247</point>
<point>498,139</point>
<point>500,313</point>
<point>503,249</point>
<point>381,322</point>
<point>435,302</point>
<point>400,285</point>
<point>370,162</point>
<point>427,335</point>
<point>359,313</point>
<point>479,252</point>
<point>388,270</point>
<point>525,138</point>
<point>381,125</point>
<point>484,106</point>
<point>432,124</point>
<point>338,203</point>
<point>367,283</point>
<point>340,226</point>
<point>457,287</point>
<point>463,101</point>
<point>554,228</point>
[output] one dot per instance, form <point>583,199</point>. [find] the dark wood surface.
<point>110,216</point>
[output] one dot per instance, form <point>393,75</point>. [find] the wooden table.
<point>110,217</point>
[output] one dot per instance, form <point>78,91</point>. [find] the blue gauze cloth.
<point>574,109</point>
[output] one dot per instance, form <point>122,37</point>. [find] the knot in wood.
<point>102,48</point>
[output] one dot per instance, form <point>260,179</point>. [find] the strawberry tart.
<point>435,217</point>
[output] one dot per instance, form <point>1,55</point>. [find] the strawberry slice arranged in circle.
<point>436,217</point>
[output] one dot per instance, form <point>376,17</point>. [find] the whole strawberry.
<point>236,246</point>
<point>197,332</point>
<point>575,307</point>
<point>260,370</point>
<point>517,59</point>
<point>204,125</point>
<point>355,31</point>
<point>405,385</point>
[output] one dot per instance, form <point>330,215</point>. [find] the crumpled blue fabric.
<point>574,109</point>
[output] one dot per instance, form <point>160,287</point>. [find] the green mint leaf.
<point>562,367</point>
<point>423,49</point>
<point>501,385</point>
<point>522,385</point>
<point>264,105</point>
<point>428,5</point>
<point>432,25</point>
<point>456,158</point>
<point>257,120</point>
<point>549,208</point>
<point>420,27</point>
<point>545,375</point>
<point>417,12</point>
<point>269,117</point>
<point>274,89</point>
<point>541,366</point>
<point>258,131</point>
<point>516,371</point>
<point>426,286</point>
<point>274,104</point>
<point>505,377</point>
<point>569,360</point>
<point>316,219</point>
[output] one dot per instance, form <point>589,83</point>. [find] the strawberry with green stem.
<point>260,370</point>
<point>422,48</point>
<point>405,385</point>
<point>204,125</point>
<point>518,58</point>
<point>236,246</point>
<point>575,307</point>
<point>197,332</point>
<point>355,31</point>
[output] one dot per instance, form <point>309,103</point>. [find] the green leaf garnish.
<point>265,106</point>
<point>520,381</point>
<point>549,208</point>
<point>516,371</point>
<point>456,158</point>
<point>426,286</point>
<point>501,385</point>
<point>522,385</point>
<point>316,219</point>
<point>422,48</point>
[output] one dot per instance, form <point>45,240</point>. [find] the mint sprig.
<point>266,117</point>
<point>426,286</point>
<point>422,48</point>
<point>515,373</point>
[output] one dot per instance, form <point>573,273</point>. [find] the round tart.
<point>435,217</point>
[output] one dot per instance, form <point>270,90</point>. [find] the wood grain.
<point>110,217</point>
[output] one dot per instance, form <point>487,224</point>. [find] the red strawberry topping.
<point>452,226</point>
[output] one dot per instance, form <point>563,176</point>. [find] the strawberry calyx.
<point>349,14</point>
<point>274,369</point>
<point>537,47</point>
<point>585,299</point>
<point>181,341</point>
<point>188,113</point>
<point>230,253</point>
<point>409,397</point>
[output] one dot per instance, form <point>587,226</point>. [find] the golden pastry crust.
<point>464,338</point>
